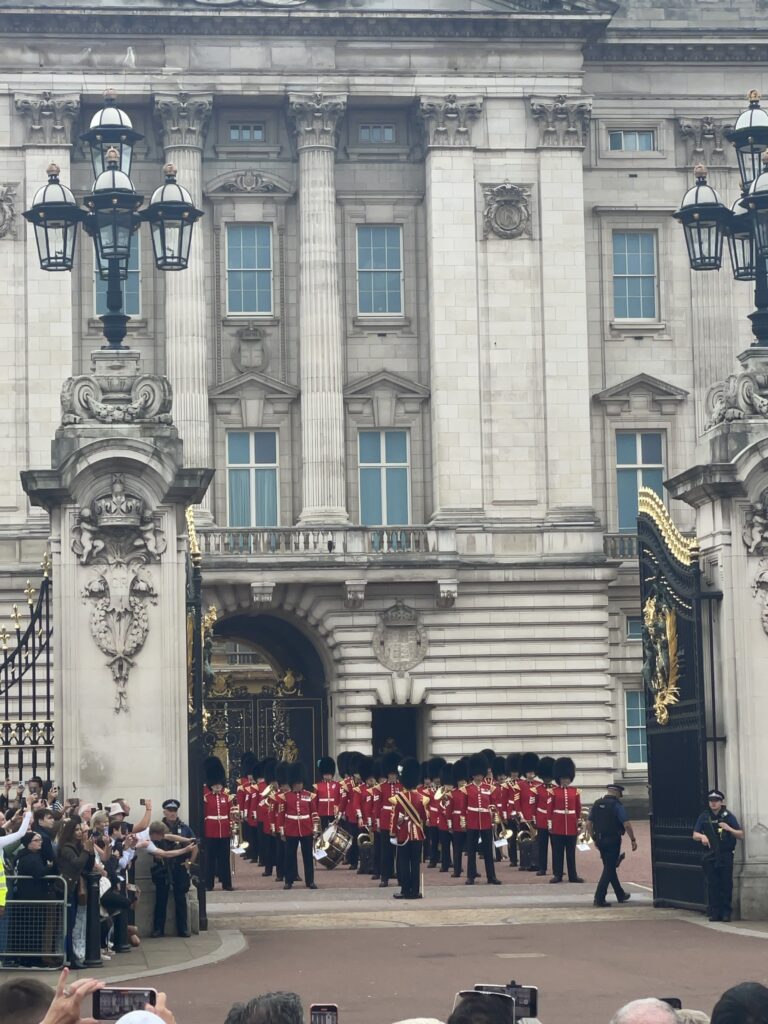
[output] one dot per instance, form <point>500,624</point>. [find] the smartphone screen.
<point>113,1003</point>
<point>526,1000</point>
<point>323,1013</point>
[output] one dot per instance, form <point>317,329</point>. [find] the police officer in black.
<point>717,830</point>
<point>169,874</point>
<point>173,822</point>
<point>607,823</point>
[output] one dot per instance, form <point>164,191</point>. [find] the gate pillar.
<point>116,493</point>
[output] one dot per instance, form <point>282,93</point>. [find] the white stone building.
<point>438,326</point>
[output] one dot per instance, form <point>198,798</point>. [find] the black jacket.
<point>31,862</point>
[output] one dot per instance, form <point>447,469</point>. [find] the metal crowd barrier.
<point>33,932</point>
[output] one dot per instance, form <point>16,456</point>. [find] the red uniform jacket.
<point>328,798</point>
<point>263,806</point>
<point>275,808</point>
<point>352,804</point>
<point>298,815</point>
<point>543,805</point>
<point>527,798</point>
<point>443,811</point>
<point>387,790</point>
<point>458,810</point>
<point>479,802</point>
<point>409,816</point>
<point>565,811</point>
<point>373,808</point>
<point>513,800</point>
<point>216,810</point>
<point>500,799</point>
<point>433,809</point>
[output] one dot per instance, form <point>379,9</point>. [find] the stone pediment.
<point>385,398</point>
<point>385,380</point>
<point>241,401</point>
<point>657,395</point>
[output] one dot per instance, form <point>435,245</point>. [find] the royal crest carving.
<point>249,182</point>
<point>704,140</point>
<point>448,120</point>
<point>117,536</point>
<point>562,122</point>
<point>316,118</point>
<point>183,118</point>
<point>399,641</point>
<point>116,398</point>
<point>507,212</point>
<point>739,397</point>
<point>661,665</point>
<point>49,118</point>
<point>8,209</point>
<point>755,532</point>
<point>248,348</point>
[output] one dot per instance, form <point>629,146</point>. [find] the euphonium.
<point>500,831</point>
<point>365,836</point>
<point>526,832</point>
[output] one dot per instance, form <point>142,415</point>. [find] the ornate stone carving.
<point>354,591</point>
<point>741,396</point>
<point>755,532</point>
<point>399,641</point>
<point>316,118</point>
<point>249,182</point>
<point>7,209</point>
<point>704,140</point>
<point>447,592</point>
<point>182,119</point>
<point>507,212</point>
<point>562,122</point>
<point>248,348</point>
<point>760,591</point>
<point>118,398</point>
<point>49,118</point>
<point>117,535</point>
<point>447,120</point>
<point>263,593</point>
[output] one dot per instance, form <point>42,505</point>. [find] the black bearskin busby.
<point>529,763</point>
<point>478,765</point>
<point>423,771</point>
<point>258,769</point>
<point>435,766</point>
<point>460,771</point>
<point>489,755</point>
<point>213,772</point>
<point>342,763</point>
<point>498,767</point>
<point>546,768</point>
<point>365,767</point>
<point>282,774</point>
<point>297,773</point>
<point>268,769</point>
<point>248,763</point>
<point>410,773</point>
<point>512,764</point>
<point>353,765</point>
<point>564,769</point>
<point>390,761</point>
<point>325,766</point>
<point>446,775</point>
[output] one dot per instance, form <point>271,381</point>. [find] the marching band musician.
<point>245,785</point>
<point>366,770</point>
<point>266,836</point>
<point>255,852</point>
<point>458,813</point>
<point>480,821</point>
<point>528,787</point>
<point>500,794</point>
<point>389,788</point>
<point>298,823</point>
<point>512,765</point>
<point>351,807</point>
<point>328,791</point>
<point>409,821</point>
<point>541,811</point>
<point>431,783</point>
<point>374,816</point>
<point>276,810</point>
<point>565,811</point>
<point>217,810</point>
<point>443,817</point>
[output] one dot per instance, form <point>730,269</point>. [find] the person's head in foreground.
<point>271,1008</point>
<point>645,1011</point>
<point>24,1001</point>
<point>480,1008</point>
<point>743,1004</point>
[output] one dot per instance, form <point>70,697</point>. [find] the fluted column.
<point>315,120</point>
<point>182,121</point>
<point>48,120</point>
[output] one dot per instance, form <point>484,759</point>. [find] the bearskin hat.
<point>410,772</point>
<point>446,775</point>
<point>282,773</point>
<point>325,766</point>
<point>489,755</point>
<point>296,773</point>
<point>512,764</point>
<point>498,767</point>
<point>435,766</point>
<point>353,765</point>
<point>460,771</point>
<point>378,771</point>
<point>546,767</point>
<point>364,767</point>
<point>268,769</point>
<point>529,763</point>
<point>247,763</point>
<point>478,765</point>
<point>423,771</point>
<point>258,768</point>
<point>564,769</point>
<point>390,761</point>
<point>213,772</point>
<point>342,763</point>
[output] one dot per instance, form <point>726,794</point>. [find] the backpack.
<point>604,821</point>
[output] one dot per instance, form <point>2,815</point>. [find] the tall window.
<point>249,268</point>
<point>252,472</point>
<point>384,477</point>
<point>639,463</point>
<point>634,275</point>
<point>634,718</point>
<point>379,269</point>
<point>631,140</point>
<point>131,286</point>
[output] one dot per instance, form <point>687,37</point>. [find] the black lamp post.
<point>112,215</point>
<point>707,222</point>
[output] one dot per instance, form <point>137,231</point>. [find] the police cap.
<point>715,794</point>
<point>171,805</point>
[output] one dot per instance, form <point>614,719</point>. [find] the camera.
<point>113,1003</point>
<point>524,999</point>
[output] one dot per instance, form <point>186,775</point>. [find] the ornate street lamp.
<point>112,216</point>
<point>707,222</point>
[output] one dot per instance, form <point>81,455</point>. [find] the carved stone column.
<point>182,121</point>
<point>563,125</point>
<point>455,404</point>
<point>315,120</point>
<point>48,122</point>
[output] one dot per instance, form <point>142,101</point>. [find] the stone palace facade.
<point>437,329</point>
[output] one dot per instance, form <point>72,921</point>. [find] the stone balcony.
<point>620,546</point>
<point>354,543</point>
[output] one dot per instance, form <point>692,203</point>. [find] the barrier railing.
<point>33,931</point>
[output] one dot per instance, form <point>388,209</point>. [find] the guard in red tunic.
<point>267,848</point>
<point>245,786</point>
<point>299,822</point>
<point>443,818</point>
<point>409,823</point>
<point>352,807</point>
<point>276,811</point>
<point>389,788</point>
<point>434,766</point>
<point>480,821</point>
<point>217,809</point>
<point>457,811</point>
<point>541,812</point>
<point>528,787</point>
<point>499,796</point>
<point>565,812</point>
<point>512,765</point>
<point>328,791</point>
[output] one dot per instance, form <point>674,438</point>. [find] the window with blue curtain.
<point>249,268</point>
<point>252,478</point>
<point>131,286</point>
<point>639,463</point>
<point>379,269</point>
<point>384,477</point>
<point>634,712</point>
<point>634,275</point>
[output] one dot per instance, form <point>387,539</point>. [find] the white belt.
<point>563,812</point>
<point>217,817</point>
<point>299,817</point>
<point>486,809</point>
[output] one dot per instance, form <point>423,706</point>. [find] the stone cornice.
<point>736,48</point>
<point>182,118</point>
<point>48,117</point>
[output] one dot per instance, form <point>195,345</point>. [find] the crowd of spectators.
<point>48,849</point>
<point>32,1002</point>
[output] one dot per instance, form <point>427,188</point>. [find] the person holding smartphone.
<point>74,857</point>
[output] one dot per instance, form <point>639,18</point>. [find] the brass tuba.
<point>365,836</point>
<point>527,832</point>
<point>500,831</point>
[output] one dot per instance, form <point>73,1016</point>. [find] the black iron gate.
<point>26,685</point>
<point>674,677</point>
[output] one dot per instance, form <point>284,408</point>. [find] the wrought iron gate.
<point>26,685</point>
<point>674,672</point>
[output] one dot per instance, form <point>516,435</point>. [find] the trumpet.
<point>500,831</point>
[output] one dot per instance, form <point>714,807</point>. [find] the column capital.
<point>182,118</point>
<point>48,117</point>
<point>705,140</point>
<point>563,123</point>
<point>447,120</point>
<point>316,118</point>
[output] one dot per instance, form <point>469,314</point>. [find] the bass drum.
<point>335,842</point>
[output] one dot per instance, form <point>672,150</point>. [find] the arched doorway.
<point>265,692</point>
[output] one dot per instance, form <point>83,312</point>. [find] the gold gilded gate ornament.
<point>661,663</point>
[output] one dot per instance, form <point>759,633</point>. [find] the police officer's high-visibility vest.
<point>3,885</point>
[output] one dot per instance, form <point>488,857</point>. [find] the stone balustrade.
<point>620,545</point>
<point>316,541</point>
